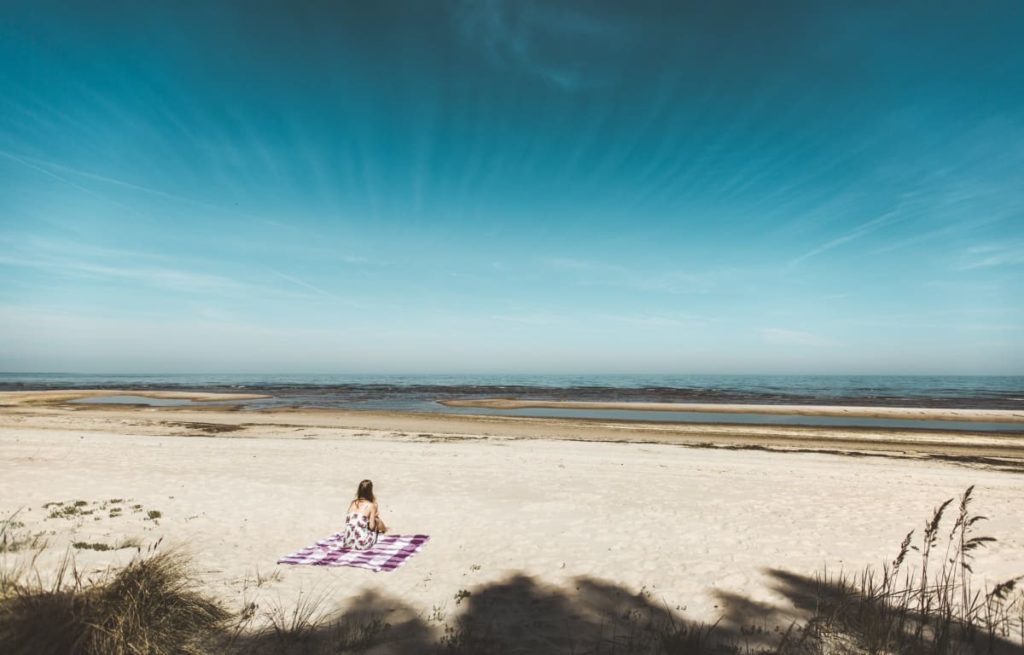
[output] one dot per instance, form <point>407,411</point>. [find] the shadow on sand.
<point>519,615</point>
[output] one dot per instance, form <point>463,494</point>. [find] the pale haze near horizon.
<point>512,187</point>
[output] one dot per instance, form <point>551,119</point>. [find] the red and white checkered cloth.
<point>390,551</point>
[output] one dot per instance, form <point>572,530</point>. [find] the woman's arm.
<point>376,522</point>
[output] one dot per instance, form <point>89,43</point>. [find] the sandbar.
<point>925,413</point>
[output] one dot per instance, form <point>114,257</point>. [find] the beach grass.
<point>14,537</point>
<point>153,605</point>
<point>934,606</point>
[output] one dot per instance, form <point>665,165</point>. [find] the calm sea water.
<point>420,392</point>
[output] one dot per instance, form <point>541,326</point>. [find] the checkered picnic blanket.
<point>390,551</point>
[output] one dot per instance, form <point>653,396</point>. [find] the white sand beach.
<point>695,529</point>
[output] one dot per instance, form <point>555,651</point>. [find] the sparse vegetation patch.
<point>124,543</point>
<point>14,537</point>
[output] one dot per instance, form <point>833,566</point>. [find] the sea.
<point>422,393</point>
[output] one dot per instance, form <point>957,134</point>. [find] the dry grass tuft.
<point>151,606</point>
<point>14,538</point>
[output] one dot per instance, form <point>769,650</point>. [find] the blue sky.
<point>522,186</point>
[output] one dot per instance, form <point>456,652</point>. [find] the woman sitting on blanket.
<point>363,523</point>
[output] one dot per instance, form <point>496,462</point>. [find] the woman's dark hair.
<point>365,491</point>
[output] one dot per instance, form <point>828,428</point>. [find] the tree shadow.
<point>516,615</point>
<point>523,615</point>
<point>368,623</point>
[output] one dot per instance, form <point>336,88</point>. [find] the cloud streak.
<point>993,255</point>
<point>302,283</point>
<point>59,171</point>
<point>858,232</point>
<point>595,273</point>
<point>558,43</point>
<point>166,278</point>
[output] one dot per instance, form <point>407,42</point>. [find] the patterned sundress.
<point>358,535</point>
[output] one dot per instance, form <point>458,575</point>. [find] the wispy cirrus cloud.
<point>84,260</point>
<point>992,255</point>
<point>859,231</point>
<point>595,321</point>
<point>168,278</point>
<point>938,234</point>
<point>37,247</point>
<point>75,178</point>
<point>564,45</point>
<point>532,318</point>
<point>597,273</point>
<point>302,283</point>
<point>675,321</point>
<point>136,268</point>
<point>62,179</point>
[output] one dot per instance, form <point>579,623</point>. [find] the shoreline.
<point>64,396</point>
<point>52,411</point>
<point>60,396</point>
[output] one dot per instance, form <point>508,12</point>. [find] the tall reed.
<point>933,608</point>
